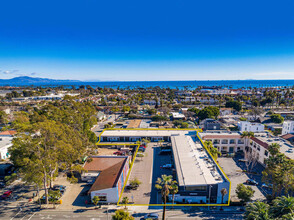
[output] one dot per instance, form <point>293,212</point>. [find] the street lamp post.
<point>209,193</point>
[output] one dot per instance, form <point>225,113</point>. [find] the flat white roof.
<point>194,166</point>
<point>178,115</point>
<point>145,133</point>
<point>285,146</point>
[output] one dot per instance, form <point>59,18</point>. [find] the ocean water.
<point>234,84</point>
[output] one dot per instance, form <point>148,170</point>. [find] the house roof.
<point>10,132</point>
<point>109,168</point>
<point>134,123</point>
<point>261,143</point>
<point>287,136</point>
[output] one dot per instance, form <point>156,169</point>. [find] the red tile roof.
<point>287,136</point>
<point>110,168</point>
<point>261,143</point>
<point>10,132</point>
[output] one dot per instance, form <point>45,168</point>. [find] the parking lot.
<point>147,169</point>
<point>142,170</point>
<point>233,169</point>
<point>158,161</point>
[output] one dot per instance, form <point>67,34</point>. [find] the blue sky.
<point>147,40</point>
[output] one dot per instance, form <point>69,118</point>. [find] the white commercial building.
<point>288,127</point>
<point>260,143</point>
<point>199,177</point>
<point>226,142</point>
<point>250,127</point>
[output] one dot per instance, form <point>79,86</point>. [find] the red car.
<point>143,146</point>
<point>119,153</point>
<point>6,194</point>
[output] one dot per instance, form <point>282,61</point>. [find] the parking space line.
<point>32,215</point>
<point>16,214</point>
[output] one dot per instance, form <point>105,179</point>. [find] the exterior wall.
<point>260,152</point>
<point>225,112</point>
<point>4,152</point>
<point>228,145</point>
<point>111,194</point>
<point>212,126</point>
<point>123,177</point>
<point>219,194</point>
<point>197,196</point>
<point>288,127</point>
<point>189,199</point>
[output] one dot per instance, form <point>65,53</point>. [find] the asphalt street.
<point>101,214</point>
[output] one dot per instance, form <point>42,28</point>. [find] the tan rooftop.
<point>109,168</point>
<point>134,123</point>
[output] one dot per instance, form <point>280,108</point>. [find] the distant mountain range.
<point>26,80</point>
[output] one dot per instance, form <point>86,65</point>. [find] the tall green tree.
<point>244,193</point>
<point>43,148</point>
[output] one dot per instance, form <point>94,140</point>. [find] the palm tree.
<point>164,184</point>
<point>174,190</point>
<point>282,206</point>
<point>274,149</point>
<point>223,192</point>
<point>257,211</point>
<point>246,135</point>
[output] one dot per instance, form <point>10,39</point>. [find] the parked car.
<point>269,185</point>
<point>166,166</point>
<point>6,194</point>
<point>61,188</point>
<point>251,182</point>
<point>153,216</point>
<point>119,153</point>
<point>242,160</point>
